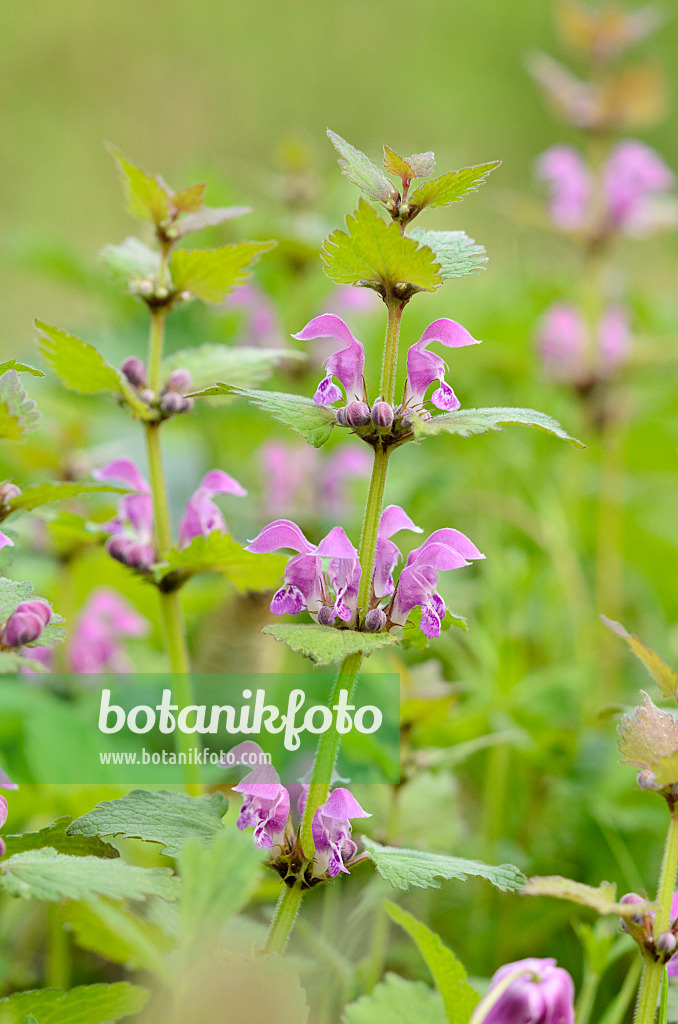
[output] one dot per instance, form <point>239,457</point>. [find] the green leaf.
<point>238,367</point>
<point>146,198</point>
<point>209,217</point>
<point>210,274</point>
<point>218,552</point>
<point>450,187</point>
<point>403,868</point>
<point>48,875</point>
<point>13,593</point>
<point>313,422</point>
<point>42,494</point>
<point>603,899</point>
<point>118,934</point>
<point>374,254</point>
<point>665,676</point>
<point>397,1001</point>
<point>132,259</point>
<point>419,165</point>
<point>649,739</point>
<point>86,1004</point>
<point>448,973</point>
<point>190,199</point>
<point>56,836</point>
<point>11,662</point>
<point>170,818</point>
<point>11,364</point>
<point>359,169</point>
<point>18,415</point>
<point>467,422</point>
<point>456,253</point>
<point>325,645</point>
<point>30,1019</point>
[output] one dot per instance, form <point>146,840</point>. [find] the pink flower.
<point>25,624</point>
<point>3,818</point>
<point>266,806</point>
<point>331,828</point>
<point>561,340</point>
<point>347,364</point>
<point>540,993</point>
<point>103,622</point>
<point>634,174</point>
<point>570,183</point>
<point>424,367</point>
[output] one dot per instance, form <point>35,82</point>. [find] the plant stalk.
<point>653,971</point>
<point>284,918</point>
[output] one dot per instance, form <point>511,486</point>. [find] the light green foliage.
<point>210,274</point>
<point>456,253</point>
<point>373,254</point>
<point>359,169</point>
<point>466,422</point>
<point>208,217</point>
<point>647,736</point>
<point>87,1004</point>
<point>119,934</point>
<point>397,1001</point>
<point>54,490</point>
<point>237,367</point>
<point>12,364</point>
<point>18,415</point>
<point>132,259</point>
<point>419,165</point>
<point>218,552</point>
<point>312,422</point>
<point>602,899</point>
<point>448,973</point>
<point>169,818</point>
<point>146,198</point>
<point>12,594</point>
<point>325,645</point>
<point>450,187</point>
<point>56,836</point>
<point>405,868</point>
<point>48,875</point>
<point>665,677</point>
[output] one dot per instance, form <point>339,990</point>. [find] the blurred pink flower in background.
<point>297,477</point>
<point>561,341</point>
<point>262,327</point>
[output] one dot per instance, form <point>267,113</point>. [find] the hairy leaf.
<point>218,552</point>
<point>57,836</point>
<point>313,422</point>
<point>448,972</point>
<point>131,259</point>
<point>170,818</point>
<point>456,253</point>
<point>209,217</point>
<point>239,367</point>
<point>189,199</point>
<point>648,735</point>
<point>86,1004</point>
<point>450,187</point>
<point>665,677</point>
<point>466,422</point>
<point>18,415</point>
<point>373,254</point>
<point>403,868</point>
<point>48,875</point>
<point>13,593</point>
<point>146,198</point>
<point>397,1001</point>
<point>359,169</point>
<point>603,899</point>
<point>419,165</point>
<point>210,274</point>
<point>325,645</point>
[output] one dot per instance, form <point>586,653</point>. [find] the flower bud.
<point>171,402</point>
<point>325,616</point>
<point>529,990</point>
<point>375,620</point>
<point>147,396</point>
<point>130,552</point>
<point>135,371</point>
<point>382,415</point>
<point>357,414</point>
<point>26,623</point>
<point>187,404</point>
<point>341,416</point>
<point>8,491</point>
<point>666,942</point>
<point>179,380</point>
<point>647,779</point>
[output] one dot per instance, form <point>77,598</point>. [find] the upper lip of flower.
<point>347,364</point>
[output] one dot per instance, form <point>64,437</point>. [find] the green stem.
<point>390,364</point>
<point>59,950</point>
<point>653,970</point>
<point>587,995</point>
<point>283,919</point>
<point>370,530</point>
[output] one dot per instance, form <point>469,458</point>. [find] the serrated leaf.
<point>665,677</point>
<point>146,197</point>
<point>602,899</point>
<point>42,494</point>
<point>456,253</point>
<point>13,593</point>
<point>459,999</point>
<point>12,662</point>
<point>325,645</point>
<point>239,367</point>
<point>209,217</point>
<point>18,415</point>
<point>373,254</point>
<point>405,868</point>
<point>190,199</point>
<point>86,1004</point>
<point>419,165</point>
<point>647,736</point>
<point>397,1001</point>
<point>12,364</point>
<point>169,818</point>
<point>467,422</point>
<point>48,875</point>
<point>359,169</point>
<point>450,187</point>
<point>56,836</point>
<point>210,274</point>
<point>218,552</point>
<point>312,422</point>
<point>132,259</point>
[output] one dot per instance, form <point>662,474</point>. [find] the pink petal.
<point>281,534</point>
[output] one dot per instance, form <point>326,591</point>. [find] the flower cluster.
<point>528,991</point>
<point>131,541</point>
<point>266,809</point>
<point>324,579</point>
<point>347,366</point>
<point>171,399</point>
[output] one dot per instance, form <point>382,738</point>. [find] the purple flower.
<point>5,541</point>
<point>528,991</point>
<point>263,328</point>
<point>95,641</point>
<point>614,337</point>
<point>6,782</point>
<point>634,174</point>
<point>26,623</point>
<point>570,184</point>
<point>424,367</point>
<point>561,339</point>
<point>346,365</point>
<point>287,471</point>
<point>331,828</point>
<point>393,519</point>
<point>3,818</point>
<point>266,806</point>
<point>202,516</point>
<point>340,466</point>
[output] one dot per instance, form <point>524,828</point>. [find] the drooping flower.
<point>570,184</point>
<point>424,367</point>
<point>331,828</point>
<point>528,991</point>
<point>266,806</point>
<point>202,516</point>
<point>347,364</point>
<point>95,643</point>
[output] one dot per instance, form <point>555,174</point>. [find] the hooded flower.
<point>331,829</point>
<point>202,516</point>
<point>633,176</point>
<point>561,339</point>
<point>347,364</point>
<point>266,806</point>
<point>95,643</point>
<point>570,184</point>
<point>424,367</point>
<point>528,991</point>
